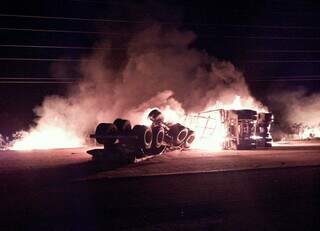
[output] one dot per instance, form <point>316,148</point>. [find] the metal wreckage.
<point>243,129</point>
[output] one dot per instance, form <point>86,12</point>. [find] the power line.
<point>282,61</point>
<point>39,59</point>
<point>270,37</point>
<point>35,82</point>
<point>70,18</point>
<point>265,78</point>
<point>291,76</point>
<point>283,80</point>
<point>124,48</point>
<point>146,22</point>
<point>76,60</point>
<point>271,10</point>
<point>273,26</point>
<point>210,36</point>
<point>61,31</point>
<point>60,47</point>
<point>284,51</point>
<point>35,78</point>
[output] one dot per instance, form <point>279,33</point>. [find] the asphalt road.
<point>275,189</point>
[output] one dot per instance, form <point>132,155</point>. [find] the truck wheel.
<point>158,136</point>
<point>144,135</point>
<point>189,139</point>
<point>105,129</point>
<point>123,125</point>
<point>178,133</point>
<point>157,146</point>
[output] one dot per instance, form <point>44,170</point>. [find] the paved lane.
<point>63,189</point>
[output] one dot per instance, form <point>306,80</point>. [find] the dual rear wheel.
<point>150,140</point>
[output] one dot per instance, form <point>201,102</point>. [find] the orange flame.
<point>51,135</point>
<point>210,139</point>
<point>310,132</point>
<point>46,137</point>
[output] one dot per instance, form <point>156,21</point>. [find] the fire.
<point>170,115</point>
<point>211,133</point>
<point>237,104</point>
<point>209,139</point>
<point>45,137</point>
<point>53,135</point>
<point>309,132</point>
<point>206,139</point>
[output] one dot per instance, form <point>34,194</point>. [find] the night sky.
<point>274,43</point>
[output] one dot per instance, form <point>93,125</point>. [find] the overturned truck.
<point>140,141</point>
<point>239,129</point>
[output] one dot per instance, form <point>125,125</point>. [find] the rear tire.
<point>123,125</point>
<point>157,136</point>
<point>189,140</point>
<point>144,135</point>
<point>105,129</point>
<point>178,133</point>
<point>158,146</point>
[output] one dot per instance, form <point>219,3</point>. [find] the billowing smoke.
<point>301,111</point>
<point>161,69</point>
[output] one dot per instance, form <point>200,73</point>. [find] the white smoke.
<point>301,110</point>
<point>162,70</point>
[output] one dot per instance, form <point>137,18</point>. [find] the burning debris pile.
<point>161,69</point>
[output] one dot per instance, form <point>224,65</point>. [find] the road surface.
<point>231,190</point>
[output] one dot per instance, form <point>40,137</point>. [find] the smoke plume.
<point>161,69</point>
<point>300,110</point>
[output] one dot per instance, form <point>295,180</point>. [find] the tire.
<point>144,135</point>
<point>157,136</point>
<point>189,140</point>
<point>157,146</point>
<point>123,126</point>
<point>178,133</point>
<point>105,129</point>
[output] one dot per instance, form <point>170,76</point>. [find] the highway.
<point>194,190</point>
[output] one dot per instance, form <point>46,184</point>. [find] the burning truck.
<point>231,129</point>
<point>141,141</point>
